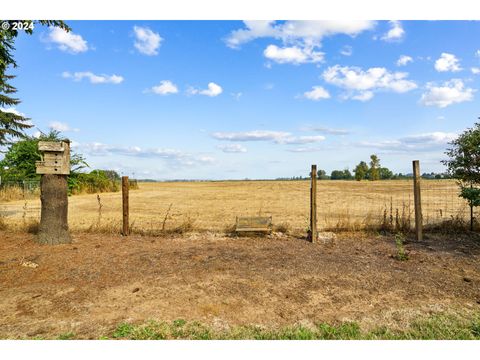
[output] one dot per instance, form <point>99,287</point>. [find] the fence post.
<point>417,200</point>
<point>125,189</point>
<point>313,204</point>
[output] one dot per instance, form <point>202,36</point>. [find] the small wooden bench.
<point>254,224</point>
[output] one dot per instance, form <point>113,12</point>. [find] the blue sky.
<point>233,99</point>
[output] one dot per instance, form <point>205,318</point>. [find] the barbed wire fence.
<point>342,205</point>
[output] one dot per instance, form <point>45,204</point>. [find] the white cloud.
<point>326,130</point>
<point>232,148</point>
<point>475,70</point>
<point>67,41</point>
<point>61,126</point>
<point>173,156</point>
<point>294,31</point>
<point>420,142</point>
<point>447,62</point>
<point>166,87</point>
<point>436,137</point>
<point>346,50</point>
<point>304,149</point>
<point>317,93</point>
<point>278,137</point>
<point>362,96</point>
<point>94,79</point>
<point>302,139</point>
<point>212,90</point>
<point>294,54</point>
<point>301,39</point>
<point>147,42</point>
<point>361,84</point>
<point>477,53</point>
<point>451,92</point>
<point>255,135</point>
<point>395,33</point>
<point>404,60</point>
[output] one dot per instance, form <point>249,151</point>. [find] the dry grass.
<point>13,193</point>
<point>179,207</point>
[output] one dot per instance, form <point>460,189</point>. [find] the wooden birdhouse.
<point>55,157</point>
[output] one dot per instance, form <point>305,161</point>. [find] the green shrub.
<point>94,182</point>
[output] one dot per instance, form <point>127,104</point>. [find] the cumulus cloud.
<point>66,41</point>
<point>232,148</point>
<point>347,50</point>
<point>317,93</point>
<point>212,90</point>
<point>361,96</point>
<point>447,62</point>
<point>395,33</point>
<point>165,87</point>
<point>300,39</point>
<point>294,54</point>
<point>419,142</point>
<point>94,79</point>
<point>174,156</point>
<point>61,126</point>
<point>450,92</point>
<point>147,42</point>
<point>404,60</point>
<point>278,137</point>
<point>361,84</point>
<point>309,32</point>
<point>475,70</point>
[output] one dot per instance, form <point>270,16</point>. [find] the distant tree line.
<point>371,171</point>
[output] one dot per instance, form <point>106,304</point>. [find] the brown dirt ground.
<point>90,286</point>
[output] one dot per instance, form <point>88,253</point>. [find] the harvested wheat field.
<point>86,289</point>
<point>213,206</point>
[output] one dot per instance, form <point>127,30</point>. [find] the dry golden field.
<point>214,205</point>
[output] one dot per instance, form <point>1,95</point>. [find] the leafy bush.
<point>93,182</point>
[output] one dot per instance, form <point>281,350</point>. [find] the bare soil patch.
<point>90,286</point>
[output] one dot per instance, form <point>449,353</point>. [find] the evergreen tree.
<point>12,123</point>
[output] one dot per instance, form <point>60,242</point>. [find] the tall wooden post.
<point>54,169</point>
<point>417,200</point>
<point>125,188</point>
<point>313,204</point>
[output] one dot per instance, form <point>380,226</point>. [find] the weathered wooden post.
<point>417,200</point>
<point>125,189</point>
<point>54,168</point>
<point>313,204</point>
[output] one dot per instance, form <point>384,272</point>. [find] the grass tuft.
<point>438,327</point>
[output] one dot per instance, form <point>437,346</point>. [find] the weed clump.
<point>399,243</point>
